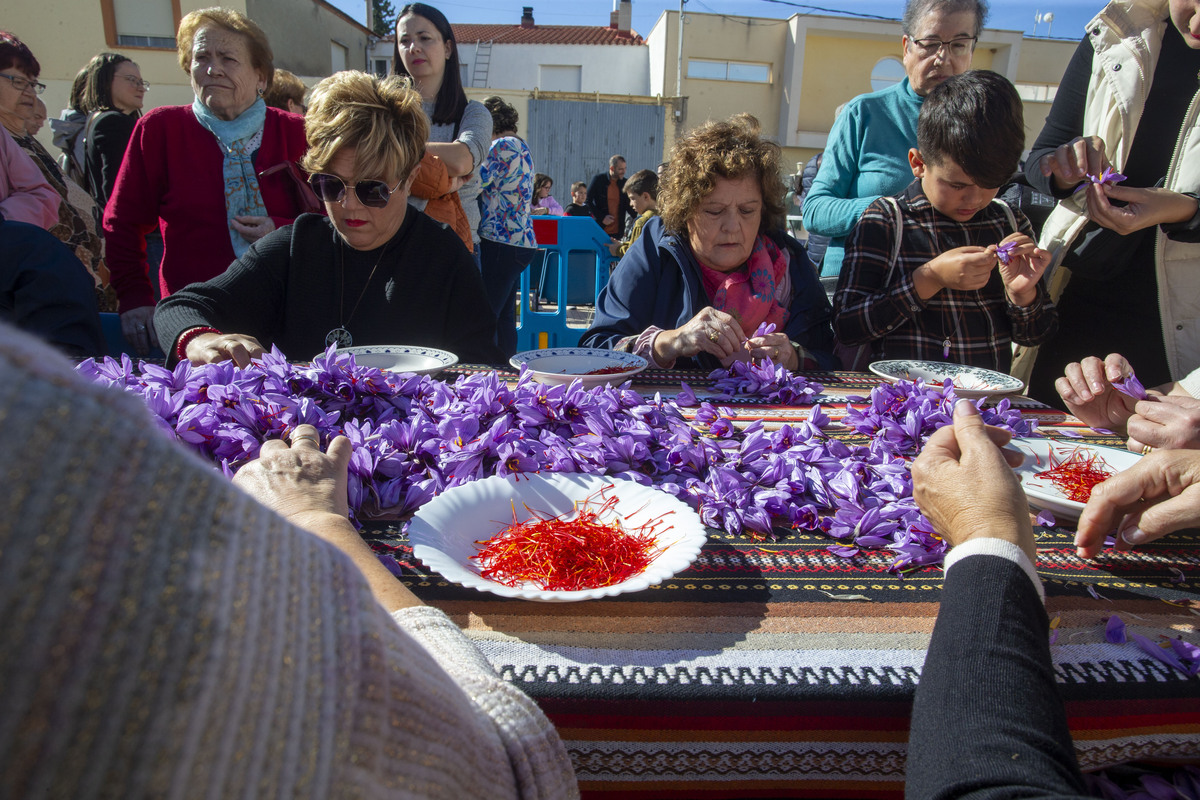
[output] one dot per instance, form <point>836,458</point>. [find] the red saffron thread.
<point>607,370</point>
<point>1077,475</point>
<point>560,554</point>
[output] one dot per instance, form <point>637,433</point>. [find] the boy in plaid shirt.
<point>944,271</point>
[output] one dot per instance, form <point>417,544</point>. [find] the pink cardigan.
<point>171,177</point>
<point>24,194</point>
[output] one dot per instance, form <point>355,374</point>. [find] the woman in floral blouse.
<point>505,230</point>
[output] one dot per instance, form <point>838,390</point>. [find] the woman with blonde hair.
<point>696,294</point>
<point>209,175</point>
<point>373,272</point>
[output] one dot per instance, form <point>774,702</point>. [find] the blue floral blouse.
<point>507,178</point>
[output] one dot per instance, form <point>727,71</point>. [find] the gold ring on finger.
<point>1147,449</point>
<point>312,439</point>
<point>713,336</point>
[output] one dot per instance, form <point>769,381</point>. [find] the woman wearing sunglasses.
<point>373,272</point>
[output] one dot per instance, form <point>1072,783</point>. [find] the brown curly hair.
<point>380,117</point>
<point>730,149</point>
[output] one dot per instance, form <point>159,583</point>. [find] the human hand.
<point>537,210</point>
<point>964,484</point>
<point>710,331</point>
<point>1154,497</point>
<point>1165,422</point>
<point>252,228</point>
<point>1087,389</point>
<point>137,326</point>
<point>776,346</point>
<point>609,219</point>
<point>1143,207</point>
<point>456,182</point>
<point>965,269</point>
<point>614,248</point>
<point>1026,264</point>
<point>299,480</point>
<point>1070,163</point>
<point>210,348</point>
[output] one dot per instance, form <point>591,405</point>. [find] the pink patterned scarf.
<point>756,293</point>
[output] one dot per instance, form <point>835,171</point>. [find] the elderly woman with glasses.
<point>375,271</point>
<point>77,213</point>
<point>210,175</point>
<point>867,153</point>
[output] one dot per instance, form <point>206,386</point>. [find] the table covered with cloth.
<point>774,668</point>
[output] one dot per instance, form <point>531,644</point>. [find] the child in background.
<point>578,205</point>
<point>543,202</point>
<point>944,271</point>
<point>642,191</point>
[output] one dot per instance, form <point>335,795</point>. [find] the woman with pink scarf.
<point>717,280</point>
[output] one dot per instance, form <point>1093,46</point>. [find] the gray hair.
<point>917,10</point>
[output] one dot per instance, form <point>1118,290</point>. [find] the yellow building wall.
<point>734,39</point>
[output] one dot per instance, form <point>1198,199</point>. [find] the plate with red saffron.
<point>1059,475</point>
<point>591,366</point>
<point>556,537</point>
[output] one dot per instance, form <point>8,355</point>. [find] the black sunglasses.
<point>332,189</point>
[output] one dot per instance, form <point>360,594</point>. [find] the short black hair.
<point>644,181</point>
<point>976,120</point>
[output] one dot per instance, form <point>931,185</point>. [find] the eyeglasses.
<point>332,189</point>
<point>958,46</point>
<point>21,84</point>
<point>135,81</point>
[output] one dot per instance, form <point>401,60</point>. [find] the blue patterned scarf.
<point>239,138</point>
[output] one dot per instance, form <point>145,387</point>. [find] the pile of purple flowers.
<point>415,436</point>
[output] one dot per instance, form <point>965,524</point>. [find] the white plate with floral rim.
<point>402,358</point>
<point>591,366</point>
<point>1044,454</point>
<point>446,533</point>
<point>968,381</point>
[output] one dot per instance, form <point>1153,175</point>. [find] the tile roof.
<point>544,34</point>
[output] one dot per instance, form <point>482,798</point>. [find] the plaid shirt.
<point>979,325</point>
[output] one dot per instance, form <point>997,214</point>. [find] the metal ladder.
<point>483,60</point>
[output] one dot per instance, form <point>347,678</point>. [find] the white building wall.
<point>608,69</point>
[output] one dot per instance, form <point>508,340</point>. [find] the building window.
<point>560,78</point>
<point>740,71</point>
<point>1036,92</point>
<point>140,23</point>
<point>382,67</point>
<point>888,72</point>
<point>339,54</point>
<point>464,73</point>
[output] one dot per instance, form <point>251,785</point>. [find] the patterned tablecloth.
<point>776,669</point>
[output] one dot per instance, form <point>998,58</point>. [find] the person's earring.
<point>260,91</point>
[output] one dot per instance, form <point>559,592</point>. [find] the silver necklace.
<point>339,335</point>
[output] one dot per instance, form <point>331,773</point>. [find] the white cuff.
<point>995,547</point>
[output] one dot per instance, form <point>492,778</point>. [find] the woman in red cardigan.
<point>202,173</point>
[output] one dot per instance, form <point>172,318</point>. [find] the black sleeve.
<point>246,298</point>
<point>597,198</point>
<point>810,314</point>
<point>987,719</point>
<point>46,291</point>
<point>105,151</point>
<point>1065,120</point>
<point>470,326</point>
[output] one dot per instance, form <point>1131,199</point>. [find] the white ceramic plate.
<point>565,364</point>
<point>402,358</point>
<point>968,381</point>
<point>445,532</point>
<point>1042,454</point>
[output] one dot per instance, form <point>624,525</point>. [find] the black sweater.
<point>287,291</point>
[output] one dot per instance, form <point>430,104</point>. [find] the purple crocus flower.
<point>1004,252</point>
<point>1130,387</point>
<point>1114,630</point>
